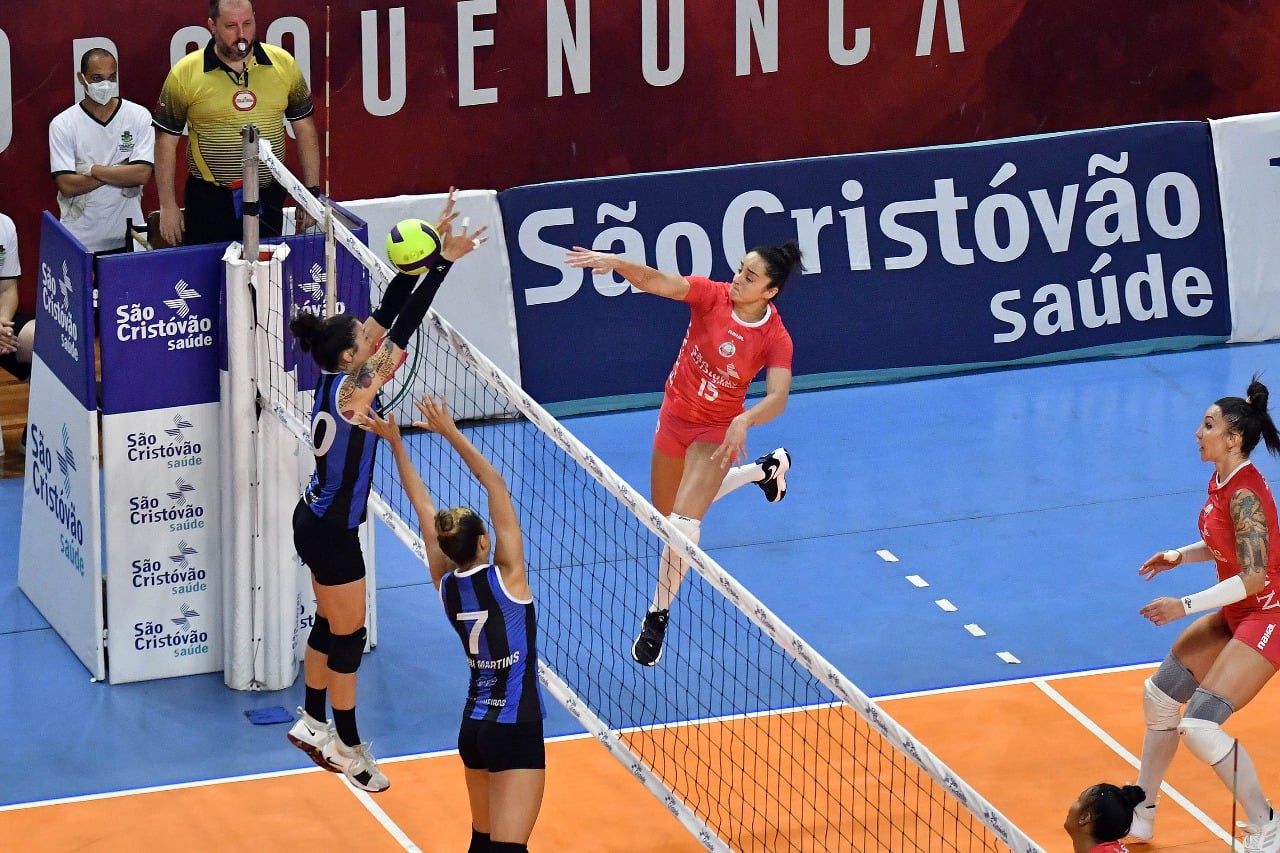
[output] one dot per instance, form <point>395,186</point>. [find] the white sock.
<point>738,477</point>
<point>1158,748</point>
<point>1239,775</point>
<point>672,568</point>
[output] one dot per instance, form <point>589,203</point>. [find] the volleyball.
<point>413,245</point>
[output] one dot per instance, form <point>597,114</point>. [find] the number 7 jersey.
<point>721,354</point>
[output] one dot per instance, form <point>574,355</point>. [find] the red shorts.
<point>1259,631</point>
<point>674,434</point>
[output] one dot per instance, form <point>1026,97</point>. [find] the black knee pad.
<point>345,651</point>
<point>319,637</point>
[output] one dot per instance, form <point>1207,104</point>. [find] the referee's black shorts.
<point>485,745</point>
<point>210,214</point>
<point>332,552</point>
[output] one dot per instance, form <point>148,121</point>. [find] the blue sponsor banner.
<point>304,290</point>
<point>64,306</point>
<point>919,261</point>
<point>159,328</point>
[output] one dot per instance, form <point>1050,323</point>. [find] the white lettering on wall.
<point>6,92</point>
<point>565,51</point>
<point>928,21</point>
<point>186,40</point>
<point>370,82</point>
<point>836,49</point>
<point>758,26</point>
<point>470,38</point>
<point>653,74</point>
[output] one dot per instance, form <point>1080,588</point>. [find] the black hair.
<point>779,261</point>
<point>92,54</point>
<point>458,531</point>
<point>215,7</point>
<point>326,339</point>
<point>1249,417</point>
<point>1111,808</point>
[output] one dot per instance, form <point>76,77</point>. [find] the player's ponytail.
<point>779,261</point>
<point>325,339</point>
<point>1249,416</point>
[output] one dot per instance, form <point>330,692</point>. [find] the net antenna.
<point>330,262</point>
<point>747,735</point>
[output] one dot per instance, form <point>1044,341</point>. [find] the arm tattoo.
<point>1251,532</point>
<point>364,376</point>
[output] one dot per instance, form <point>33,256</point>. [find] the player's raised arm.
<point>644,277</point>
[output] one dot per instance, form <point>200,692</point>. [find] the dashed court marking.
<point>945,605</point>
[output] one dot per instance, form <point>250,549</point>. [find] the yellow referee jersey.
<point>215,102</point>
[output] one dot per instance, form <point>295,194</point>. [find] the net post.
<point>250,162</point>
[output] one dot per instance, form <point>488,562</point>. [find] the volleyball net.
<point>746,734</point>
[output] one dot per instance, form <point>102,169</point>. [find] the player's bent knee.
<point>690,527</point>
<point>345,651</point>
<point>1206,739</point>
<point>1175,680</point>
<point>1162,713</point>
<point>319,638</point>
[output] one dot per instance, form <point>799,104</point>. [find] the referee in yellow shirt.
<point>215,92</point>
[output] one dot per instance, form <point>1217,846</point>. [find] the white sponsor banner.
<point>162,542</point>
<point>60,553</point>
<point>1247,153</point>
<point>476,297</point>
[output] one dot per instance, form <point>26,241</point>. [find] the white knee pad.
<point>690,527</point>
<point>1206,739</point>
<point>1161,712</point>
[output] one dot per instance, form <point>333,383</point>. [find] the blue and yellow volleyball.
<point>413,245</point>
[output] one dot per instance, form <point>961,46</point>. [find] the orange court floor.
<point>1023,745</point>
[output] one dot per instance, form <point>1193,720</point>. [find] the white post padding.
<point>261,474</point>
<point>1246,152</point>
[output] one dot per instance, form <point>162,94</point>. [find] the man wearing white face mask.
<point>101,153</point>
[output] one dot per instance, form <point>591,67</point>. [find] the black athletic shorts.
<point>485,745</point>
<point>20,369</point>
<point>210,216</point>
<point>331,552</point>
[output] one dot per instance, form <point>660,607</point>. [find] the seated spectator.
<point>17,331</point>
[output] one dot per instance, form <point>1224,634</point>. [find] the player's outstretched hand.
<point>586,259</point>
<point>456,237</point>
<point>378,425</point>
<point>436,412</point>
<point>1157,563</point>
<point>1162,611</point>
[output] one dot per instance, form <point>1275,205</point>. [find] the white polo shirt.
<point>76,138</point>
<point>10,266</point>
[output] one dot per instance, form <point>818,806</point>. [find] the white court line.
<point>383,818</point>
<point>1098,732</point>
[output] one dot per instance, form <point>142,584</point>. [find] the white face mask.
<point>103,91</point>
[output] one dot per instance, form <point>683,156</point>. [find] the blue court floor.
<point>1026,498</point>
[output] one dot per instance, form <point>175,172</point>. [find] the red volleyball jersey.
<point>1219,532</point>
<point>720,355</point>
